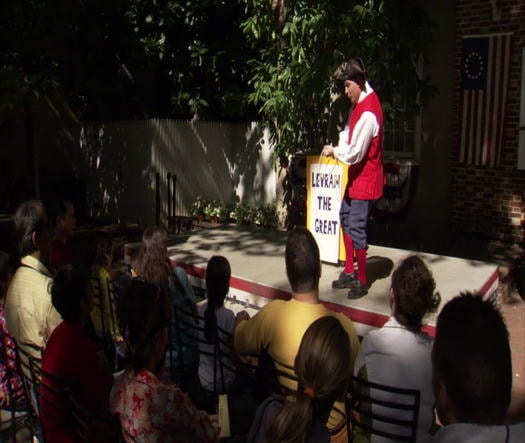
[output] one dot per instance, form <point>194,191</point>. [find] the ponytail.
<point>218,273</point>
<point>210,322</point>
<point>295,421</point>
<point>321,366</point>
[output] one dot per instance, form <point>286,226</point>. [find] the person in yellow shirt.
<point>278,328</point>
<point>104,314</point>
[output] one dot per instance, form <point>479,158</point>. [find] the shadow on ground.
<point>378,268</point>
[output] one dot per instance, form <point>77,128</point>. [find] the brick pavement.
<point>513,310</point>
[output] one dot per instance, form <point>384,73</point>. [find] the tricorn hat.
<point>351,70</point>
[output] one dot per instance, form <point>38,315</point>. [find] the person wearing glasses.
<point>30,315</point>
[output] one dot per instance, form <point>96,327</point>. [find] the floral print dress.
<point>9,370</point>
<point>151,411</point>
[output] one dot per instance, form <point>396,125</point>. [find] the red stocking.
<point>349,249</point>
<point>361,265</point>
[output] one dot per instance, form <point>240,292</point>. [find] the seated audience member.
<point>104,315</point>
<point>215,315</point>
<point>321,366</point>
<point>398,354</point>
<point>84,249</point>
<point>472,373</point>
<point>10,380</point>
<point>280,325</point>
<point>149,409</point>
<point>62,216</point>
<point>153,264</point>
<point>120,271</point>
<point>30,315</point>
<point>72,357</point>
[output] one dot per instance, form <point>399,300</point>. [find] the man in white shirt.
<point>361,146</point>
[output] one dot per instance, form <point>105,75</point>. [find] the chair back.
<point>53,403</point>
<point>61,409</point>
<point>16,402</point>
<point>277,377</point>
<point>30,358</point>
<point>286,382</point>
<point>188,331</point>
<point>105,301</point>
<point>104,317</point>
<point>272,376</point>
<point>385,411</point>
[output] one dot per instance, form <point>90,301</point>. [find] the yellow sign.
<point>326,180</point>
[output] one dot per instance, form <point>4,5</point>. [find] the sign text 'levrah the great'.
<point>325,186</point>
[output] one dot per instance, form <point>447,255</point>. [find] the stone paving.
<point>513,310</point>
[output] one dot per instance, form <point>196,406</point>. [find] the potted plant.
<point>212,210</point>
<point>224,213</point>
<point>198,209</point>
<point>268,216</point>
<point>242,214</point>
<point>232,215</point>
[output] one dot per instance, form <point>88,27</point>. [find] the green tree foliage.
<point>123,59</point>
<point>220,59</point>
<point>24,67</point>
<point>199,52</point>
<point>300,43</point>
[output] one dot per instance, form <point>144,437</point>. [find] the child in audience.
<point>153,264</point>
<point>218,321</point>
<point>70,355</point>
<point>150,410</point>
<point>472,373</point>
<point>398,354</point>
<point>321,366</point>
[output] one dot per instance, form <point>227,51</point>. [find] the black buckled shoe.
<point>345,280</point>
<point>357,291</point>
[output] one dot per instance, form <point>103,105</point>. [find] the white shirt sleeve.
<point>365,129</point>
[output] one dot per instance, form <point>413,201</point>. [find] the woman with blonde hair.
<point>322,369</point>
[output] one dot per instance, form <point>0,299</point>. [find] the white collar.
<point>365,92</point>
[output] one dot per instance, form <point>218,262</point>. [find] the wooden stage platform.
<point>256,256</point>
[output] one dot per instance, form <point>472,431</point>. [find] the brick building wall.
<point>490,202</point>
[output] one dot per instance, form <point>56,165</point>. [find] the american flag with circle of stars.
<point>484,83</point>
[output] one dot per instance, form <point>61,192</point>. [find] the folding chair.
<point>61,409</point>
<point>183,346</point>
<point>189,333</point>
<point>30,359</point>
<point>104,317</point>
<point>386,411</point>
<point>16,408</point>
<point>220,349</point>
<point>281,379</point>
<point>272,375</point>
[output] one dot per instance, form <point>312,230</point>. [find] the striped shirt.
<point>30,315</point>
